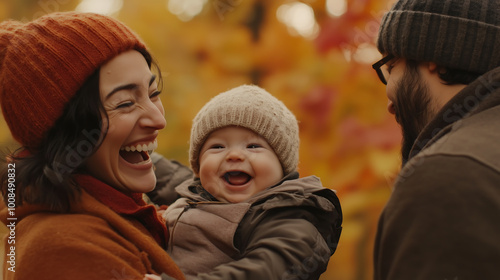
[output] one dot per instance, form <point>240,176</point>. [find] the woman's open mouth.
<point>237,178</point>
<point>138,154</point>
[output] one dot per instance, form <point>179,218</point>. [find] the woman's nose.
<point>154,116</point>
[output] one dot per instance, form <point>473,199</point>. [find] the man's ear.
<point>432,67</point>
<point>433,70</point>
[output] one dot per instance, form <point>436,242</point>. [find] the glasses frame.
<point>377,65</point>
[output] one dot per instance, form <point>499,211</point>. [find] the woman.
<point>78,94</point>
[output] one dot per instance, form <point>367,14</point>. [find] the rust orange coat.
<point>91,242</point>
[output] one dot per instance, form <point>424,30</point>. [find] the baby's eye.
<point>254,146</point>
<point>216,146</point>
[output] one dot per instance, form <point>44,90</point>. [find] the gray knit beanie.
<point>254,108</point>
<point>459,34</point>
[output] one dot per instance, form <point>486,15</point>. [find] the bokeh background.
<point>314,55</point>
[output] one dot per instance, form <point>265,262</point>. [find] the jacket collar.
<point>129,205</point>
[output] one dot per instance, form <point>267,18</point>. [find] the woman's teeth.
<point>141,147</point>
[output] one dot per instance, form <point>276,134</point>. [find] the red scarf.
<point>129,205</point>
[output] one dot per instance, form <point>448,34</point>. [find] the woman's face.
<point>129,94</point>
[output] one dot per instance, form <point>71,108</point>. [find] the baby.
<point>247,214</point>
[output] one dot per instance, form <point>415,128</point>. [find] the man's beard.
<point>412,108</point>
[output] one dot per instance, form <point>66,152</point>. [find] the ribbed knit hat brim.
<point>461,35</point>
<point>44,62</point>
<point>254,108</point>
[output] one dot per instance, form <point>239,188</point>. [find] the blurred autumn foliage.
<point>347,137</point>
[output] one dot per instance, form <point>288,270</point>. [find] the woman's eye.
<point>154,94</point>
<point>125,105</point>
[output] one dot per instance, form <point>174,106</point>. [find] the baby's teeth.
<point>132,149</point>
<point>139,148</point>
<point>144,147</point>
<point>151,147</point>
<point>127,149</point>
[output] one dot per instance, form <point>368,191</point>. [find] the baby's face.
<point>236,163</point>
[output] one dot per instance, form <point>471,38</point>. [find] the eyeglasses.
<point>378,67</point>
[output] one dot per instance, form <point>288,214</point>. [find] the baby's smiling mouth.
<point>237,178</point>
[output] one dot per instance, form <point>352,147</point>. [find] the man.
<point>441,66</point>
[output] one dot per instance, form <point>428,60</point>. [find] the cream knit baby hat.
<point>254,108</point>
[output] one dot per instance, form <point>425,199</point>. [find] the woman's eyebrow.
<point>153,78</point>
<point>129,87</point>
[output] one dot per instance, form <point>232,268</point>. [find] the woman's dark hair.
<point>44,176</point>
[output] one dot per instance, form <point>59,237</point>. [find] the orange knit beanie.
<point>43,63</point>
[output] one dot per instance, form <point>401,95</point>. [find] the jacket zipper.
<point>171,237</point>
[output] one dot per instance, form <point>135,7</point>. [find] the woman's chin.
<point>142,184</point>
